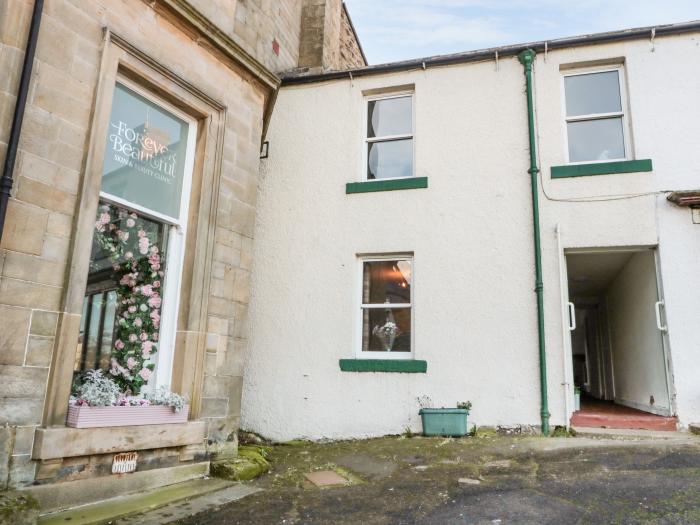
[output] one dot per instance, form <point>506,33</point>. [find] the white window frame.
<point>177,232</point>
<point>624,113</point>
<point>361,259</point>
<point>388,138</point>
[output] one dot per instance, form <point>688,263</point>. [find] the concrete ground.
<point>484,479</point>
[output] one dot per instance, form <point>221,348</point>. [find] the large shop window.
<point>596,125</point>
<point>389,140</point>
<point>386,320</point>
<point>130,307</point>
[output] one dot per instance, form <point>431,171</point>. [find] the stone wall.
<point>255,24</point>
<point>351,55</point>
<point>97,465</point>
<point>35,254</point>
<point>328,41</point>
<point>259,22</point>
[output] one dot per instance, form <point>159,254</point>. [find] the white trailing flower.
<point>97,390</point>
<point>163,396</point>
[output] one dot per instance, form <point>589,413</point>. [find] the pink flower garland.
<point>139,304</point>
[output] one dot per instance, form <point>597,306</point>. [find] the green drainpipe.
<point>527,58</point>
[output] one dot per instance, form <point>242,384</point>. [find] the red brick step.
<point>609,415</point>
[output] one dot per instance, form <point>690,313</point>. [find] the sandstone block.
<point>43,323</point>
<point>24,440</point>
<point>20,411</point>
<point>23,293</point>
<point>48,197</point>
<point>39,351</point>
<point>13,338</point>
<point>25,226</point>
<point>32,268</point>
<point>22,471</point>
<point>22,382</point>
<point>214,407</point>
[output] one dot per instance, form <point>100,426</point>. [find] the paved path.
<point>503,480</point>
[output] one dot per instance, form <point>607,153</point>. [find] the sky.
<point>392,30</point>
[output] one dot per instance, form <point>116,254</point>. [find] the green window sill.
<point>601,168</point>
<point>408,366</point>
<point>410,183</point>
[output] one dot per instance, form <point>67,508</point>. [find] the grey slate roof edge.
<point>489,53</point>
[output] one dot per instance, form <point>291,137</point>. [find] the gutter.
<point>527,58</point>
<point>649,32</point>
<point>6,180</point>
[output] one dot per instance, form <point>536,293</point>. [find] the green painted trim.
<point>527,59</point>
<point>601,168</point>
<point>411,183</point>
<point>409,366</point>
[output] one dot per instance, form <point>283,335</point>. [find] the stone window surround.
<point>119,58</point>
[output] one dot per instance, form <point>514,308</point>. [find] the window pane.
<point>103,359</point>
<point>386,330</point>
<point>123,296</point>
<point>91,341</point>
<point>390,116</point>
<point>593,93</point>
<point>386,282</point>
<point>390,160</point>
<point>145,156</point>
<point>596,140</point>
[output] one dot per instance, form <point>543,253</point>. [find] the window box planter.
<point>449,422</point>
<point>93,417</point>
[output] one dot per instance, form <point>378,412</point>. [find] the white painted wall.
<point>471,232</point>
<point>637,346</point>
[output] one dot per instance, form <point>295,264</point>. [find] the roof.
<point>489,53</point>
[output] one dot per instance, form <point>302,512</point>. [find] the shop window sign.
<point>145,154</point>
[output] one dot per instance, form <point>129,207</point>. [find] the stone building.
<point>127,242</point>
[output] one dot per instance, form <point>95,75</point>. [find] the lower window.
<point>386,308</point>
<point>120,325</point>
<point>129,318</point>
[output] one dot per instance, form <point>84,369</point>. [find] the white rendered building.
<point>394,255</point>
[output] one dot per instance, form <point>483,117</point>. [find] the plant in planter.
<point>449,422</point>
<point>97,401</point>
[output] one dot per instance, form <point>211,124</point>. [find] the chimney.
<point>319,46</point>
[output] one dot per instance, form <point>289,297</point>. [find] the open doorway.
<point>619,361</point>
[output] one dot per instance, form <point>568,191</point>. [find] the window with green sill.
<point>596,125</point>
<point>389,137</point>
<point>385,317</point>
<point>596,120</point>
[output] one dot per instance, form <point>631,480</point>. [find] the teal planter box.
<point>444,421</point>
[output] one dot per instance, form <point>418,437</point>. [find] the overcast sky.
<point>393,30</point>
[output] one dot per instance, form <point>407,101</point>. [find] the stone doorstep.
<point>174,512</point>
<point>123,506</point>
<point>631,434</point>
<point>56,497</point>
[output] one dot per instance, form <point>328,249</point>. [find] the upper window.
<point>595,116</point>
<point>389,139</point>
<point>386,307</point>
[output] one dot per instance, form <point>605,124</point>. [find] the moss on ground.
<point>18,509</point>
<point>400,479</point>
<point>251,462</point>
